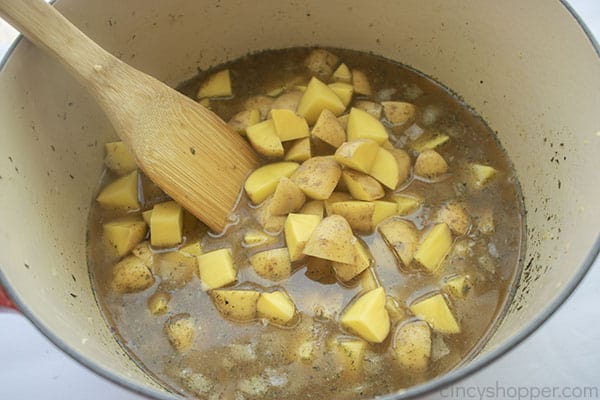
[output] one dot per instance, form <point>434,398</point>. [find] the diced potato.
<point>385,169</point>
<point>299,150</point>
<point>351,353</point>
<point>399,112</point>
<point>369,280</point>
<point>434,247</point>
<point>166,224</point>
<point>147,216</point>
<point>404,163</point>
<point>253,238</point>
<point>144,252</point>
<point>244,119</point>
<point>261,103</point>
<point>276,306</point>
<point>175,269</point>
<point>124,233</point>
<point>458,285</point>
<point>205,102</point>
<point>262,182</point>
<point>318,97</point>
<point>288,125</point>
<point>192,249</point>
<point>236,304</point>
<point>342,74</point>
<point>287,197</point>
<point>436,312</point>
<point>158,303</point>
<point>121,193</point>
<point>482,174</point>
<point>370,107</point>
<point>394,309</point>
<point>430,144</point>
<point>344,91</point>
<point>456,217</point>
<point>180,331</point>
<point>359,214</point>
<point>264,139</point>
<point>357,154</point>
<point>367,316</point>
<point>216,268</point>
<point>362,186</point>
<point>412,345</point>
<point>332,240</point>
<point>119,159</point>
<point>334,198</point>
<point>314,207</point>
<point>328,129</point>
<point>273,224</point>
<point>383,210</point>
<point>298,229</point>
<point>317,177</point>
<point>321,62</point>
<point>288,101</point>
<point>430,164</point>
<point>401,236</point>
<point>362,125</point>
<point>343,120</point>
<point>272,264</point>
<point>131,275</point>
<point>364,260</point>
<point>361,83</point>
<point>217,85</point>
<point>406,204</point>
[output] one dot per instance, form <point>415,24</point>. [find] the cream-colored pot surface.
<point>526,66</point>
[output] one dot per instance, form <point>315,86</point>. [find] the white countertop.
<point>560,360</point>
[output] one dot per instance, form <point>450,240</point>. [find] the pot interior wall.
<point>537,85</point>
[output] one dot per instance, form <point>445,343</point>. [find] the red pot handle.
<point>5,301</point>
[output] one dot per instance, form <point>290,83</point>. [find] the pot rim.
<point>428,387</point>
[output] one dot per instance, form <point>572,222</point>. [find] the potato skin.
<point>131,275</point>
<point>180,331</point>
<point>430,164</point>
<point>317,177</point>
<point>273,265</point>
<point>236,304</point>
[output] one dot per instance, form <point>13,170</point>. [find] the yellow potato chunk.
<point>253,238</point>
<point>261,103</point>
<point>192,249</point>
<point>394,309</point>
<point>436,312</point>
<point>334,198</point>
<point>287,197</point>
<point>217,85</point>
<point>343,120</point>
<point>175,269</point>
<point>288,125</point>
<point>367,316</point>
<point>318,97</point>
<point>456,217</point>
<point>273,224</point>
<point>131,275</point>
<point>342,74</point>
<point>458,285</point>
<point>344,91</point>
<point>216,268</point>
<point>166,224</point>
<point>374,109</point>
<point>328,129</point>
<point>276,306</point>
<point>406,204</point>
<point>357,154</point>
<point>244,119</point>
<point>401,236</point>
<point>482,174</point>
<point>351,353</point>
<point>404,164</point>
<point>299,150</point>
<point>412,345</point>
<point>118,158</point>
<point>124,234</point>
<point>359,214</point>
<point>158,303</point>
<point>147,216</point>
<point>347,272</point>
<point>317,177</point>
<point>362,125</point>
<point>314,207</point>
<point>383,210</point>
<point>287,101</point>
<point>361,83</point>
<point>332,240</point>
<point>430,164</point>
<point>398,112</point>
<point>272,264</point>
<point>297,230</point>
<point>236,304</point>
<point>430,144</point>
<point>262,182</point>
<point>362,186</point>
<point>144,252</point>
<point>385,168</point>
<point>321,62</point>
<point>121,193</point>
<point>180,331</point>
<point>434,247</point>
<point>369,280</point>
<point>264,139</point>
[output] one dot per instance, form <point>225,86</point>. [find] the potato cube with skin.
<point>175,269</point>
<point>144,252</point>
<point>342,74</point>
<point>273,224</point>
<point>217,85</point>
<point>370,107</point>
<point>385,169</point>
<point>276,306</point>
<point>351,353</point>
<point>131,275</point>
<point>364,260</point>
<point>412,345</point>
<point>332,240</point>
<point>367,316</point>
<point>261,183</point>
<point>430,144</point>
<point>317,177</point>
<point>216,268</point>
<point>434,247</point>
<point>456,217</point>
<point>166,224</point>
<point>430,164</point>
<point>119,159</point>
<point>344,91</point>
<point>357,154</point>
<point>343,120</point>
<point>361,83</point>
<point>321,62</point>
<point>287,197</point>
<point>406,204</point>
<point>362,186</point>
<point>192,249</point>
<point>383,210</point>
<point>369,279</point>
<point>121,193</point>
<point>158,303</point>
<point>328,129</point>
<point>482,174</point>
<point>359,214</point>
<point>362,125</point>
<point>398,112</point>
<point>314,207</point>
<point>394,309</point>
<point>244,119</point>
<point>298,150</point>
<point>261,103</point>
<point>264,139</point>
<point>436,312</point>
<point>124,234</point>
<point>334,198</point>
<point>318,97</point>
<point>273,265</point>
<point>404,164</point>
<point>401,236</point>
<point>287,101</point>
<point>236,304</point>
<point>180,331</point>
<point>298,229</point>
<point>288,125</point>
<point>253,238</point>
<point>457,286</point>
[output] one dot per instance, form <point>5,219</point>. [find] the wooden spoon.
<point>187,150</point>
